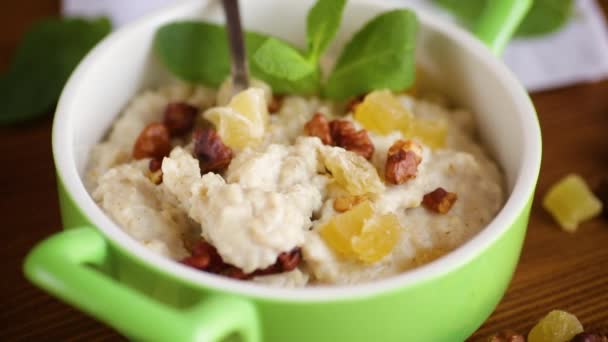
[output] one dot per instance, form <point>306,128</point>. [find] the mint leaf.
<point>194,51</point>
<point>545,16</point>
<point>379,56</point>
<point>197,52</point>
<point>322,25</point>
<point>281,60</point>
<point>44,60</point>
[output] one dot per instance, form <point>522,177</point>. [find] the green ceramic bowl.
<point>96,267</point>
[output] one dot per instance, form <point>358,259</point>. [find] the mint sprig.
<point>197,51</point>
<point>380,55</point>
<point>44,60</point>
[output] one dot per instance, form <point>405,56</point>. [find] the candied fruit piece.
<point>353,172</point>
<point>381,112</point>
<point>557,326</point>
<point>243,122</point>
<point>377,239</point>
<point>570,201</point>
<point>340,229</point>
<point>431,132</point>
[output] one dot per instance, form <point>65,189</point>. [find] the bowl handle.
<point>61,265</point>
<point>499,21</point>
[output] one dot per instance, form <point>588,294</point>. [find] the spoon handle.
<point>240,70</point>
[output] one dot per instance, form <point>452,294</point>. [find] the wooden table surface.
<point>557,270</point>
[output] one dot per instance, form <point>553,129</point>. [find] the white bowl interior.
<point>455,62</point>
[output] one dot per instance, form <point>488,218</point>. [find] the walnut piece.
<point>213,155</point>
<point>402,161</point>
<point>204,257</point>
<point>318,127</point>
<point>346,136</point>
<point>439,200</point>
<point>340,133</point>
<point>153,142</point>
<point>179,118</point>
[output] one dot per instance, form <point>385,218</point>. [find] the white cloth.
<point>576,53</point>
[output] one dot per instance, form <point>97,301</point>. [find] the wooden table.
<point>557,269</point>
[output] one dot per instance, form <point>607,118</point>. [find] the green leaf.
<point>44,60</point>
<point>198,52</point>
<point>194,51</point>
<point>545,16</point>
<point>281,60</point>
<point>379,56</point>
<point>468,11</point>
<point>322,25</point>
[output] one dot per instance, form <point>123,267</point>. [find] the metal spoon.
<point>240,70</point>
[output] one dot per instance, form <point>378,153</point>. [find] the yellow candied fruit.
<point>381,112</point>
<point>377,239</point>
<point>431,132</point>
<point>557,326</point>
<point>570,202</point>
<point>243,122</point>
<point>359,234</point>
<point>340,229</point>
<point>353,172</point>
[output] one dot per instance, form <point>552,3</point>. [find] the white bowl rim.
<point>522,191</point>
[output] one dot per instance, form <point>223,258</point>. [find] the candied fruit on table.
<point>360,234</point>
<point>381,112</point>
<point>353,172</point>
<point>243,122</point>
<point>570,202</point>
<point>557,326</point>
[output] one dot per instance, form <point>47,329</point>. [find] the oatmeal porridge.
<point>294,191</point>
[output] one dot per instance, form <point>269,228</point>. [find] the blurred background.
<point>560,54</point>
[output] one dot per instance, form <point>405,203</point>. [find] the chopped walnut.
<point>318,127</point>
<point>402,161</point>
<point>507,336</point>
<point>205,257</point>
<point>212,154</point>
<point>344,203</point>
<point>346,136</point>
<point>179,118</point>
<point>153,142</point>
<point>439,200</point>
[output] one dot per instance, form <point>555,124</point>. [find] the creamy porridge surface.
<point>282,185</point>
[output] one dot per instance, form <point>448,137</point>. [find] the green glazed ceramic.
<point>96,267</point>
